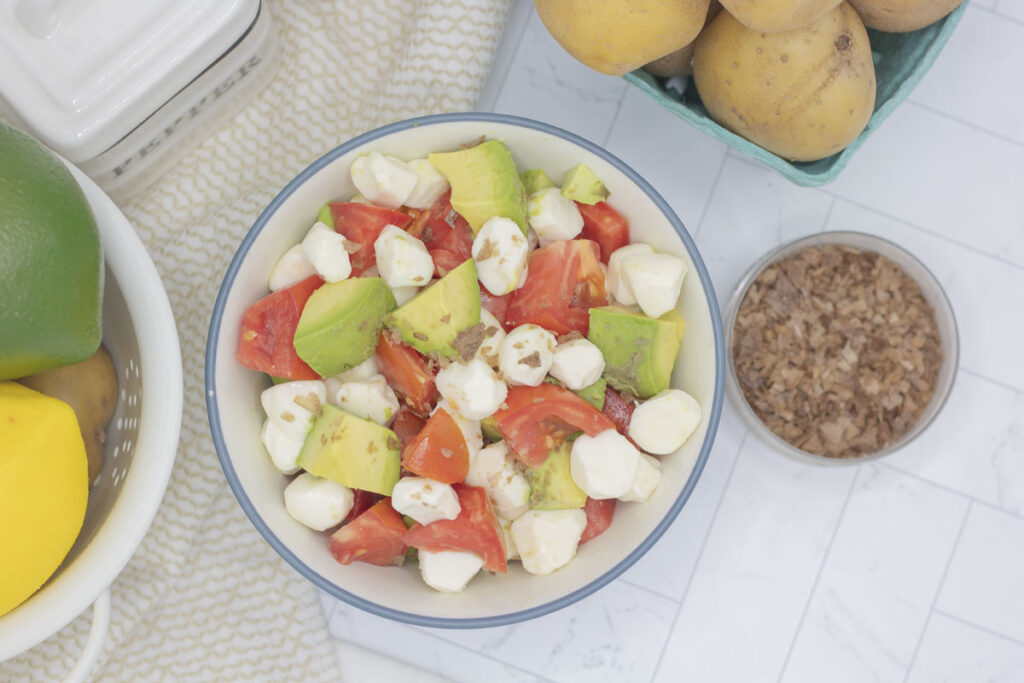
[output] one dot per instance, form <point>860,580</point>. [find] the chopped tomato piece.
<point>407,424</point>
<point>407,373</point>
<point>438,451</point>
<point>361,502</point>
<point>445,261</point>
<point>475,530</point>
<point>539,418</point>
<point>445,233</point>
<point>374,537</point>
<point>496,305</point>
<point>617,409</point>
<point>604,225</point>
<point>267,339</point>
<point>599,517</point>
<point>362,224</point>
<point>565,281</point>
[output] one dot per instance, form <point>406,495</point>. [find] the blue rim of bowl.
<point>325,584</point>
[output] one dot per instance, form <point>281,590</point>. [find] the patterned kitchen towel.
<point>205,598</point>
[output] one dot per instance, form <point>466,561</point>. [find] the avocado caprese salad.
<point>470,365</point>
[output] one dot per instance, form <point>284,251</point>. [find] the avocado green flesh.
<point>352,451</point>
<point>431,320</point>
<point>594,394</point>
<point>325,216</point>
<point>639,352</point>
<point>489,429</point>
<point>552,486</point>
<point>51,262</point>
<point>581,184</point>
<point>485,183</point>
<point>340,324</point>
<point>535,180</point>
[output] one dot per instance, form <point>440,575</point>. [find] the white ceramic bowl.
<point>142,439</point>
<point>399,593</point>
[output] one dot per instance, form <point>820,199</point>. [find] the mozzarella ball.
<point>603,466</point>
<point>430,184</point>
<point>552,216</point>
<point>283,449</point>
<point>525,355</point>
<point>470,428</point>
<point>471,388</point>
<point>384,180</point>
<point>449,571</point>
<point>648,474</point>
<point>325,249</point>
<point>293,406</point>
<point>577,363</point>
<point>615,281</point>
<point>494,470</point>
<point>372,399</point>
<point>402,260</point>
<point>499,251</point>
<point>663,423</point>
<point>317,503</point>
<point>294,266</point>
<point>404,294</point>
<point>364,371</point>
<point>425,500</point>
<point>656,280</point>
<point>547,539</point>
<point>511,552</point>
<point>494,334</point>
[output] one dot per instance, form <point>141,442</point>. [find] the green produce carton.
<point>901,60</point>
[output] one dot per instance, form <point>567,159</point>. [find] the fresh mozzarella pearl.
<point>283,449</point>
<point>525,355</point>
<point>383,180</point>
<point>472,388</point>
<point>577,363</point>
<point>494,470</point>
<point>449,570</point>
<point>547,539</point>
<point>664,422</point>
<point>317,503</point>
<point>511,552</point>
<point>648,474</point>
<point>425,500</point>
<point>470,428</point>
<point>402,260</point>
<point>364,371</point>
<point>430,184</point>
<point>615,281</point>
<point>294,266</point>
<point>360,199</point>
<point>372,399</point>
<point>553,216</point>
<point>603,466</point>
<point>499,251</point>
<point>325,249</point>
<point>293,406</point>
<point>493,336</point>
<point>656,280</point>
<point>531,239</point>
<point>404,294</point>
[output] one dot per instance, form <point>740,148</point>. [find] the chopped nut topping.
<point>468,341</point>
<point>487,250</point>
<point>310,402</point>
<point>533,360</point>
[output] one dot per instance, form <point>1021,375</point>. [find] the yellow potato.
<point>900,16</point>
<point>90,388</point>
<point>803,94</point>
<point>773,16</point>
<point>617,36</point>
<point>680,62</point>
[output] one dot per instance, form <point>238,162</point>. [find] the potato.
<point>900,16</point>
<point>773,16</point>
<point>680,62</point>
<point>90,388</point>
<point>617,36</point>
<point>803,94</point>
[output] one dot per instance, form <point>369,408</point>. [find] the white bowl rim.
<point>322,582</point>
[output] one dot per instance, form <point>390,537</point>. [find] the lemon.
<point>43,489</point>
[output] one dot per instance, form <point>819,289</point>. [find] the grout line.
<point>991,380</point>
<point>641,587</point>
<point>983,629</point>
<point>828,214</point>
<point>964,122</point>
<point>821,570</point>
<point>615,118</point>
<point>711,194</point>
<point>483,653</point>
<point>513,53</point>
<point>700,554</point>
<point>938,591</point>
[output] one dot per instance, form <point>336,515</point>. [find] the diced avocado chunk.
<point>552,486</point>
<point>535,180</point>
<point>582,185</point>
<point>278,380</point>
<point>485,183</point>
<point>325,216</point>
<point>431,321</point>
<point>639,352</point>
<point>489,429</point>
<point>339,326</point>
<point>354,452</point>
<point>594,394</point>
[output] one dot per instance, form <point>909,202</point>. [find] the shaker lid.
<point>81,74</point>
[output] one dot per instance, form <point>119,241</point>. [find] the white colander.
<point>139,333</point>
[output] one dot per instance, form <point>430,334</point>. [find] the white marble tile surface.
<point>909,569</point>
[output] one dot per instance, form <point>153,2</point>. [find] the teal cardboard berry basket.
<point>901,60</point>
